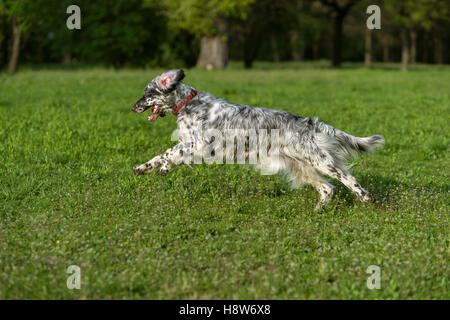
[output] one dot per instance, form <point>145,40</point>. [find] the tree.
<point>387,36</point>
<point>368,47</point>
<point>209,20</point>
<point>277,30</point>
<point>262,27</point>
<point>305,27</point>
<point>411,15</point>
<point>16,14</point>
<point>401,11</point>
<point>437,19</point>
<point>338,10</point>
<point>3,39</point>
<point>23,15</point>
<point>116,33</point>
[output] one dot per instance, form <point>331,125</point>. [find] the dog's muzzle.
<point>139,106</point>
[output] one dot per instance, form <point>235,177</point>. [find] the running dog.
<point>306,148</point>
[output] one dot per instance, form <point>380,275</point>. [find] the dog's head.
<point>159,94</point>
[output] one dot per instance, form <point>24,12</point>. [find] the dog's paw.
<point>368,198</point>
<point>162,172</point>
<point>319,207</point>
<point>137,170</point>
<point>146,168</point>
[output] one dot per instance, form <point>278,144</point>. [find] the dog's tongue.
<point>154,114</point>
<point>152,117</point>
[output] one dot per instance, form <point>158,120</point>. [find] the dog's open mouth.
<point>156,112</point>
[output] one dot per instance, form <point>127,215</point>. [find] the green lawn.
<point>68,195</point>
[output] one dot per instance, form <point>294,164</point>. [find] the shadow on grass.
<point>386,188</point>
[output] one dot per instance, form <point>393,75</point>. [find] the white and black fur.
<point>308,148</point>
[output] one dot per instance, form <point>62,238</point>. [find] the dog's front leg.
<point>173,157</point>
<point>148,167</point>
<point>165,162</point>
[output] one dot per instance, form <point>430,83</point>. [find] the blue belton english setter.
<point>306,149</point>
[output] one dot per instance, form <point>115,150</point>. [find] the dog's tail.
<point>350,144</point>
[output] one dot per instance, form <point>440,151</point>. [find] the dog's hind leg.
<point>325,190</point>
<point>302,173</point>
<point>338,172</point>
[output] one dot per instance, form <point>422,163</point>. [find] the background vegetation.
<point>68,195</point>
<point>209,33</point>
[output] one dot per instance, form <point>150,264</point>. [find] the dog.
<point>307,149</point>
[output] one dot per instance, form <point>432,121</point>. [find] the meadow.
<point>68,142</point>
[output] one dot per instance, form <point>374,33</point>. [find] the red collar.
<point>193,94</point>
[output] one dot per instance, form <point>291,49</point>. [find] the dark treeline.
<point>166,33</point>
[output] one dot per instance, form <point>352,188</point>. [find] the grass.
<point>68,195</point>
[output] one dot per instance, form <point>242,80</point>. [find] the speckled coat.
<point>307,149</point>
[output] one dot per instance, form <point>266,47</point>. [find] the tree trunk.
<point>425,48</point>
<point>405,50</point>
<point>385,52</point>
<point>213,53</point>
<point>250,50</point>
<point>250,46</point>
<point>296,50</point>
<point>413,37</point>
<point>275,51</point>
<point>248,62</point>
<point>385,42</point>
<point>12,67</point>
<point>3,42</point>
<point>368,49</point>
<point>67,59</point>
<point>315,49</point>
<point>214,49</point>
<point>338,14</point>
<point>337,39</point>
<point>437,40</point>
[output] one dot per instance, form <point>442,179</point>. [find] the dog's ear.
<point>169,79</point>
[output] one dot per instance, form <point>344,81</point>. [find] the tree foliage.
<point>200,16</point>
<point>169,32</point>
